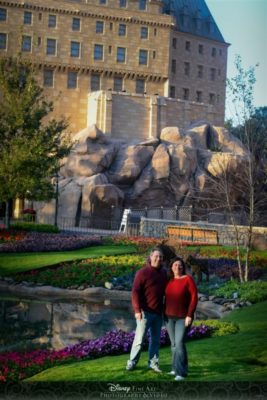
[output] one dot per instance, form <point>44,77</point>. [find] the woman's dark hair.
<point>170,273</point>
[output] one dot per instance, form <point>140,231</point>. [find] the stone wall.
<point>157,228</point>
<point>135,116</point>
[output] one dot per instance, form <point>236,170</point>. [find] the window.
<point>186,94</point>
<point>212,74</point>
<point>213,52</point>
<point>26,44</point>
<point>172,92</point>
<point>187,45</point>
<point>111,26</point>
<point>144,32</point>
<point>102,2</point>
<point>3,14</point>
<point>52,21</point>
<point>39,41</point>
<point>140,86</point>
<point>51,47</point>
<point>99,27</point>
<point>40,16</point>
<point>121,52</point>
<point>74,49</point>
<point>143,57</point>
<point>200,49</point>
<point>173,66</point>
<point>187,68</point>
<point>142,4</point>
<point>95,82</point>
<point>200,71</point>
<point>72,80</point>
<point>122,30</point>
<point>3,41</point>
<point>123,3</point>
<point>211,98</point>
<point>118,83</point>
<point>27,18</point>
<point>48,77</point>
<point>98,52</point>
<point>109,49</point>
<point>76,24</point>
<point>174,43</point>
<point>199,96</point>
<point>154,54</point>
<point>155,32</point>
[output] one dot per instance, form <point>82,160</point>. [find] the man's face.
<point>155,258</point>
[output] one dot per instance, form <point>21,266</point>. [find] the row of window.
<point>75,49</point>
<point>72,81</point>
<point>198,95</point>
<point>76,22</point>
<point>201,48</point>
<point>200,70</point>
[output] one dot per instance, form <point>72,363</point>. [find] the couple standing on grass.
<point>151,286</point>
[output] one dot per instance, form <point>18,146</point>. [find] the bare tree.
<point>238,181</point>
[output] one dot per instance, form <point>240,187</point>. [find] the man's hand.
<point>138,316</point>
<point>188,321</point>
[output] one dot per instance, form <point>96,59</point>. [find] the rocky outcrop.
<point>102,172</point>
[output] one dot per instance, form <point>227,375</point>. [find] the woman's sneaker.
<point>130,365</point>
<point>178,378</point>
<point>171,372</point>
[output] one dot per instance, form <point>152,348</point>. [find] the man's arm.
<point>136,294</point>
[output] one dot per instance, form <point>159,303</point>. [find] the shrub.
<point>219,328</point>
<point>253,291</point>
<point>31,226</point>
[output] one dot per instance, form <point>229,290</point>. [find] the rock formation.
<point>175,168</point>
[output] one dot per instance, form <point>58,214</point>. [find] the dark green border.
<point>135,390</point>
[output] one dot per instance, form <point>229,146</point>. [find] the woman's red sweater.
<point>181,297</point>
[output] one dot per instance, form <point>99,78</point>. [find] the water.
<point>27,323</point>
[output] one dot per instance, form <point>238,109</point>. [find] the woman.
<point>180,304</point>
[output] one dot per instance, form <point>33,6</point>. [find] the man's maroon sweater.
<point>148,289</point>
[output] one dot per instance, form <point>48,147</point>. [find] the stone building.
<point>129,66</point>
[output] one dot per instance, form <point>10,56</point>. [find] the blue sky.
<point>243,24</point>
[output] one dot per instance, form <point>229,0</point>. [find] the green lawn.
<point>11,263</point>
<point>239,357</point>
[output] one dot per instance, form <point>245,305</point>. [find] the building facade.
<point>136,63</point>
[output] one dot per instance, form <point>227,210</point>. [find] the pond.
<point>28,323</point>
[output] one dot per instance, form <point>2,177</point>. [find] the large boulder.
<point>129,163</point>
<point>171,134</point>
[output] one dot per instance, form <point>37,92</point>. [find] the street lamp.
<point>56,200</point>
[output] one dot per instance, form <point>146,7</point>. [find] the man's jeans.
<point>177,332</point>
<point>149,321</point>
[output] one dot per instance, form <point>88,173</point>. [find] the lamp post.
<point>56,202</point>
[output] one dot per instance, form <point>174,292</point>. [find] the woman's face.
<point>177,268</point>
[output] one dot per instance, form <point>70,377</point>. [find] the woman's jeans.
<point>177,332</point>
<point>153,322</point>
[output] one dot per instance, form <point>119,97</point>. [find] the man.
<point>147,300</point>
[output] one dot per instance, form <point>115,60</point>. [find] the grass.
<point>216,251</point>
<point>11,263</point>
<point>239,357</point>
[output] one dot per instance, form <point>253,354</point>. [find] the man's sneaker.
<point>130,365</point>
<point>171,372</point>
<point>178,378</point>
<point>155,367</point>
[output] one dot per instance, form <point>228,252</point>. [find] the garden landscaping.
<point>81,262</point>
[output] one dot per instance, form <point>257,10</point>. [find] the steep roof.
<point>193,16</point>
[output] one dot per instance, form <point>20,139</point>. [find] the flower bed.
<point>15,366</point>
<point>42,242</point>
<point>92,272</point>
<point>10,236</point>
